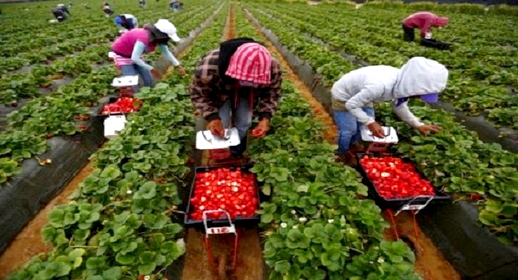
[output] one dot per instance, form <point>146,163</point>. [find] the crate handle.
<point>231,229</point>
<point>415,207</point>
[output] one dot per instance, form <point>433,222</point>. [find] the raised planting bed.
<point>333,61</point>
<point>444,165</point>
<point>28,192</point>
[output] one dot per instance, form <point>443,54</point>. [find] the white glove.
<point>428,35</point>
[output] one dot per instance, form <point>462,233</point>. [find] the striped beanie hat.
<point>251,62</point>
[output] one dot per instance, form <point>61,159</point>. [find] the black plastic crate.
<point>396,203</point>
<point>246,222</point>
<point>432,43</point>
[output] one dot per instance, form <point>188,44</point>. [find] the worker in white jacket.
<point>354,94</point>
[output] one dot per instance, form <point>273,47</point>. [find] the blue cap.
<point>430,98</point>
<point>118,20</point>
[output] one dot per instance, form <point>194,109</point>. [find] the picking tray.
<point>398,203</point>
<point>238,221</point>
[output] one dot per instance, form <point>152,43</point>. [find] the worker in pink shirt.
<point>424,21</point>
<point>130,47</point>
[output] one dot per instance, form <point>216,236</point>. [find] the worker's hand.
<point>181,70</point>
<point>261,129</point>
<point>376,130</point>
<point>216,127</point>
<point>426,128</point>
<point>428,35</point>
<point>156,74</point>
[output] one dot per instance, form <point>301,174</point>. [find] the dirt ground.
<point>430,263</point>
<point>28,243</point>
<point>249,264</point>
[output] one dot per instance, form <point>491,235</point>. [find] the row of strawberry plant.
<point>318,225</point>
<point>47,53</point>
<point>56,115</point>
<point>48,50</point>
<point>24,85</point>
<point>37,26</point>
<point>486,47</point>
<point>21,85</point>
<point>449,156</point>
<point>367,38</point>
<point>117,226</point>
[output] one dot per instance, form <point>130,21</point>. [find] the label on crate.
<point>221,230</point>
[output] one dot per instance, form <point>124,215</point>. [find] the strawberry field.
<point>126,219</point>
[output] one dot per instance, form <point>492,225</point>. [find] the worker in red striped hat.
<point>232,82</point>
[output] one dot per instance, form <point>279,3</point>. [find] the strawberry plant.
<point>454,159</point>
<point>117,225</point>
<point>480,70</point>
<point>318,223</point>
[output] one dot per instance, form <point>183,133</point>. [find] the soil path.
<point>430,263</point>
<point>28,242</point>
<point>249,263</point>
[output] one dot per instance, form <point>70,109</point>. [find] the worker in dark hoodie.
<point>355,93</point>
<point>232,81</point>
<point>424,21</point>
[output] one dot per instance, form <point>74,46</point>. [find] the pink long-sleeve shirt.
<point>424,21</point>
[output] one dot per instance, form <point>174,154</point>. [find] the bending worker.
<point>130,46</point>
<point>107,9</point>
<point>355,93</point>
<point>424,21</point>
<point>63,8</point>
<point>238,77</point>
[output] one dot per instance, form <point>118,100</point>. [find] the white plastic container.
<point>390,135</point>
<point>125,81</point>
<point>113,124</point>
<point>111,55</point>
<point>205,140</point>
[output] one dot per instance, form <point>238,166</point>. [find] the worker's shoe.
<point>340,158</point>
<point>348,158</point>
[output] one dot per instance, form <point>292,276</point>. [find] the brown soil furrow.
<point>28,242</point>
<point>430,263</point>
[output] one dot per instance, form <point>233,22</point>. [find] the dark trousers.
<point>108,11</point>
<point>408,34</point>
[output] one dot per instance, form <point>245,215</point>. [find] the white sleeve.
<point>404,113</point>
<point>367,95</point>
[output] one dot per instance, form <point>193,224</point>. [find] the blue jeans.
<point>242,117</point>
<point>134,69</point>
<point>349,128</point>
